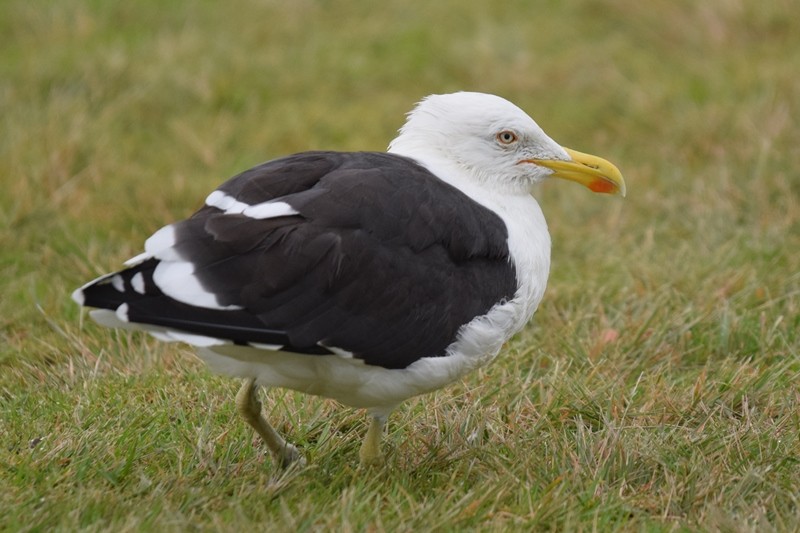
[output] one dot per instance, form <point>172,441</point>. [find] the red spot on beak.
<point>601,185</point>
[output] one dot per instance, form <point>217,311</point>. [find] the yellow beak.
<point>591,171</point>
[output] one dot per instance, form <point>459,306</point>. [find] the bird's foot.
<point>290,456</point>
<point>371,460</point>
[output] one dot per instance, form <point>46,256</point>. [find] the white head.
<point>490,140</point>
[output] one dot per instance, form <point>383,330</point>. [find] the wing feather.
<point>374,256</point>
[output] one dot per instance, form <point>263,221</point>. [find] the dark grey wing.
<point>364,252</point>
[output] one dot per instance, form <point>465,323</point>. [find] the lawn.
<point>655,390</point>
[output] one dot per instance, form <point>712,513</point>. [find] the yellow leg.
<point>250,408</point>
<point>370,453</point>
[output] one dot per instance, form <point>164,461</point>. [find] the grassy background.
<point>658,386</point>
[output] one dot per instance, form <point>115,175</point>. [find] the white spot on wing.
<point>122,312</point>
<point>137,282</point>
<point>226,203</point>
<point>160,245</point>
<point>78,297</point>
<point>177,280</point>
<point>232,206</point>
<point>269,210</point>
<point>118,283</point>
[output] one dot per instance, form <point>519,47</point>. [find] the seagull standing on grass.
<point>366,277</point>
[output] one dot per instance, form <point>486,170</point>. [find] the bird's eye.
<point>506,137</point>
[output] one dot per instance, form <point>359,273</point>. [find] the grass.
<point>657,388</point>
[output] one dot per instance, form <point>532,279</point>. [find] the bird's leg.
<point>370,453</point>
<point>250,408</point>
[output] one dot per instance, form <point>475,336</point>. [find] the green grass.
<point>656,389</point>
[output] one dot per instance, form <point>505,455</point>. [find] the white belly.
<point>346,380</point>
